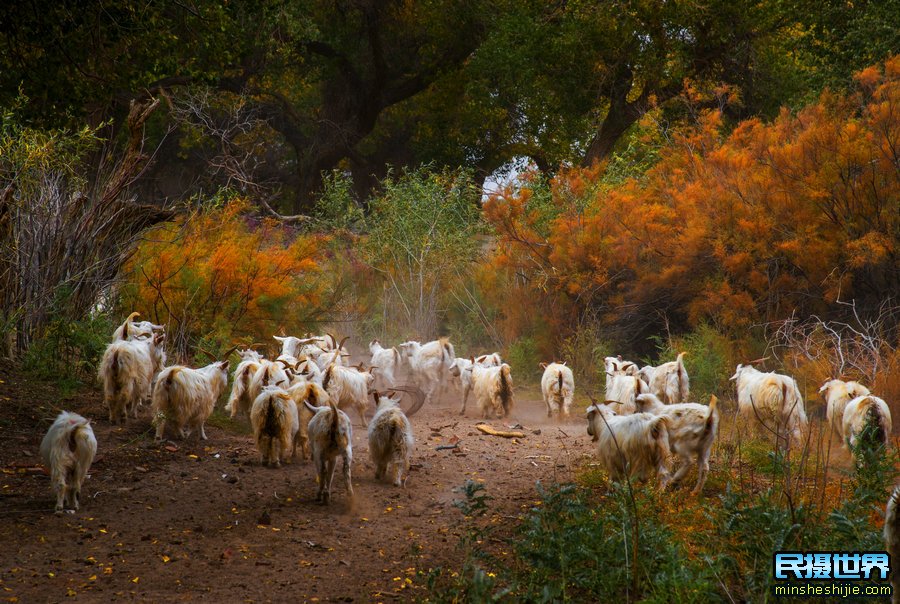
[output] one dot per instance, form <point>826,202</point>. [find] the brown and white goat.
<point>385,362</point>
<point>330,437</point>
<point>429,364</point>
<point>862,411</point>
<point>349,386</point>
<point>892,539</point>
<point>633,445</point>
<point>241,399</point>
<point>68,449</point>
<point>493,389</point>
<point>186,397</point>
<point>127,371</point>
<point>276,422</point>
<point>623,389</point>
<point>669,381</point>
<point>691,429</point>
<point>837,394</point>
<point>558,389</point>
<point>136,330</point>
<point>771,398</point>
<point>391,440</point>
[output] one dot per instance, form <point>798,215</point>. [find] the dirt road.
<point>204,521</point>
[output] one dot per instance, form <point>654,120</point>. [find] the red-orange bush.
<point>735,229</point>
<point>217,276</point>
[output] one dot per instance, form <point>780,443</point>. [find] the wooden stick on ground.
<point>488,430</point>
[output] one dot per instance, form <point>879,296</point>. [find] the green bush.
<point>524,359</point>
<point>709,360</point>
<point>69,352</point>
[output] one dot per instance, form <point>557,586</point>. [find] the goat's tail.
<point>683,389</point>
<point>875,419</point>
<point>712,417</point>
<point>272,425</point>
<point>326,379</point>
<point>506,398</point>
<point>333,428</point>
<point>80,437</point>
<point>114,369</point>
<point>559,381</point>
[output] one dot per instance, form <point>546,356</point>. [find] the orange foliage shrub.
<point>216,276</point>
<point>735,230</point>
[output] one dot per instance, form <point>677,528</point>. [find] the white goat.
<point>241,399</point>
<point>691,429</point>
<point>459,367</point>
<point>306,368</point>
<point>631,445</point>
<point>384,363</point>
<point>390,440</point>
<point>837,394</point>
<point>348,386</point>
<point>864,410</point>
<point>275,422</point>
<point>669,381</point>
<point>617,366</point>
<point>892,539</point>
<point>493,388</point>
<point>770,396</point>
<point>315,396</point>
<point>68,450</point>
<point>186,396</point>
<point>135,330</point>
<point>127,370</point>
<point>558,388</point>
<point>330,436</point>
<point>429,363</point>
<point>623,389</point>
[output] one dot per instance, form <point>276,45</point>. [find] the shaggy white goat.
<point>312,394</point>
<point>275,421</point>
<point>135,330</point>
<point>384,363</point>
<point>330,436</point>
<point>892,539</point>
<point>775,398</point>
<point>623,389</point>
<point>241,399</point>
<point>862,410</point>
<point>669,381</point>
<point>348,386</point>
<point>127,370</point>
<point>631,445</point>
<point>429,364</point>
<point>558,388</point>
<point>691,429</point>
<point>68,450</point>
<point>459,370</point>
<point>186,396</point>
<point>837,394</point>
<point>617,366</point>
<point>492,387</point>
<point>390,441</point>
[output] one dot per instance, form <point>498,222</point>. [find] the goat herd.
<point>297,400</point>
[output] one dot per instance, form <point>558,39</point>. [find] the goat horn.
<point>230,350</point>
<point>207,353</point>
<point>333,340</point>
<point>132,316</point>
<point>255,345</point>
<point>757,361</point>
<point>341,345</point>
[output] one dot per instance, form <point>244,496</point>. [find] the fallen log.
<point>503,433</point>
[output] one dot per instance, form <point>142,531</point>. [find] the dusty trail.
<point>204,521</point>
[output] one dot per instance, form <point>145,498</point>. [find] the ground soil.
<point>203,520</point>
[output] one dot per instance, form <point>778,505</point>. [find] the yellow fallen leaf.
<point>136,580</point>
<point>107,570</point>
<point>92,578</point>
<point>165,558</point>
<point>71,592</point>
